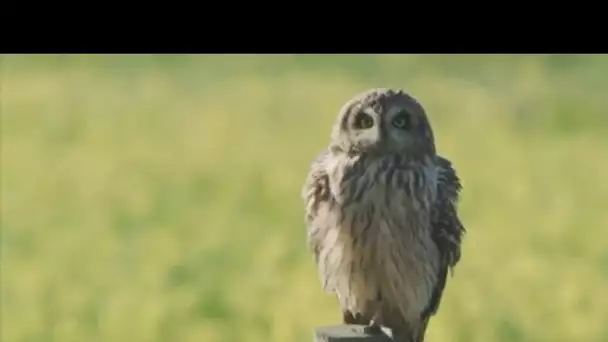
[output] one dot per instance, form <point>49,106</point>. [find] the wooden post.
<point>347,333</point>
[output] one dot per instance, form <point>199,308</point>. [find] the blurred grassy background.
<point>156,198</point>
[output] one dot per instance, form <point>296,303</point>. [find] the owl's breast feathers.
<point>344,197</point>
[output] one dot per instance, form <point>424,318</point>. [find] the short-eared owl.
<point>381,212</point>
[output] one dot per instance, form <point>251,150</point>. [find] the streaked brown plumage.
<point>381,212</point>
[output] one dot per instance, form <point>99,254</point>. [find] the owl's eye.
<point>402,121</point>
<point>363,121</point>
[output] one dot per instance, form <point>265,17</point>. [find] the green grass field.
<point>156,198</point>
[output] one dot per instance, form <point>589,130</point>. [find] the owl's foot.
<point>373,328</point>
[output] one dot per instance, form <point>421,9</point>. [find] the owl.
<point>381,215</point>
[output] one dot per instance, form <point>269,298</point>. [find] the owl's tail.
<point>407,333</point>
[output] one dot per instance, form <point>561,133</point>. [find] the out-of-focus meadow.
<point>156,198</point>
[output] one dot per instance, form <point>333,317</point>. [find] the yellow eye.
<point>402,121</point>
<point>363,121</point>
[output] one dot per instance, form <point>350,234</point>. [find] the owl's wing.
<point>317,196</point>
<point>447,228</point>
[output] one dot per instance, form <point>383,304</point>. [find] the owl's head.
<point>383,121</point>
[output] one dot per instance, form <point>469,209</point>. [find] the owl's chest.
<point>397,191</point>
<point>383,239</point>
<point>385,210</point>
<point>381,193</point>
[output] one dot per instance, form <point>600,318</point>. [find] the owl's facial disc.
<point>382,122</point>
<point>382,132</point>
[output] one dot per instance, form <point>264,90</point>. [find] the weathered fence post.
<point>347,333</point>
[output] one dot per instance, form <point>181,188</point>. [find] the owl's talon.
<point>373,329</point>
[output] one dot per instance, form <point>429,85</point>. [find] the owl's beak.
<point>377,140</point>
<point>381,135</point>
